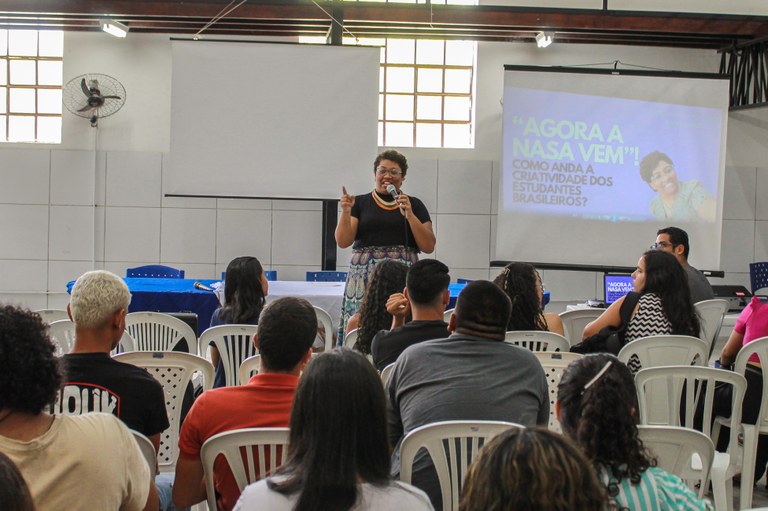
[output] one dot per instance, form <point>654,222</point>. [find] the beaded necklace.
<point>383,204</point>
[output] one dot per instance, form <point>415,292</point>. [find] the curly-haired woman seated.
<point>69,462</point>
<point>522,284</point>
<point>597,407</point>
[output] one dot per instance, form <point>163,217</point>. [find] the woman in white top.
<point>338,458</point>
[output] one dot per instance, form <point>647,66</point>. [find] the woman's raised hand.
<point>347,201</point>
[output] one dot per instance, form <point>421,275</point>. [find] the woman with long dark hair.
<point>330,467</point>
<point>388,278</point>
<point>14,493</point>
<point>597,408</point>
<point>522,283</point>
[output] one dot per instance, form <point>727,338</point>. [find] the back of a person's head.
<point>599,410</point>
<point>531,469</point>
<point>426,281</point>
<point>287,329</point>
<point>96,296</point>
<point>520,282</point>
<point>666,278</point>
<point>29,369</point>
<point>243,293</point>
<point>677,236</point>
<point>337,439</point>
<point>14,493</point>
<point>482,308</point>
<point>388,277</point>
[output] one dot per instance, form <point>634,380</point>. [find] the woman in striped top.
<point>597,407</point>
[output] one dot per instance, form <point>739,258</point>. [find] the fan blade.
<point>85,88</point>
<point>111,97</point>
<point>86,108</point>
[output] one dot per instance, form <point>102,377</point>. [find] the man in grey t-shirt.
<point>675,241</point>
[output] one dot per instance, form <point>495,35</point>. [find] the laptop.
<point>616,285</point>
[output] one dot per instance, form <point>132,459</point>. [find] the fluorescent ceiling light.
<point>115,28</point>
<point>544,39</point>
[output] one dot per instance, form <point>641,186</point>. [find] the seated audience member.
<point>425,298</point>
<point>388,277</point>
<point>338,456</point>
<point>287,328</point>
<point>675,241</point>
<point>245,291</point>
<point>597,408</point>
<point>471,375</point>
<point>14,493</point>
<point>93,381</point>
<point>522,284</point>
<point>89,461</point>
<point>534,470</point>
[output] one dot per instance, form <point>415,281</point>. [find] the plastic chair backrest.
<point>125,345</point>
<point>760,347</point>
<point>350,339</point>
<point>248,368</point>
<point>385,373</point>
<point>147,450</point>
<point>155,331</point>
<point>535,340</point>
<point>666,350</point>
<point>264,450</point>
<point>234,343</point>
<point>447,315</point>
<point>711,314</point>
<point>758,276</point>
<point>63,335</point>
<point>326,276</point>
<point>324,319</point>
<point>154,271</point>
<point>574,322</point>
<point>674,449</point>
<point>463,440</point>
<point>174,371</point>
<point>51,315</point>
<point>554,363</point>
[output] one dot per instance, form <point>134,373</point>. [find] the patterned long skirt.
<point>360,269</point>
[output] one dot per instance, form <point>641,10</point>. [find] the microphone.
<point>201,286</point>
<point>394,191</point>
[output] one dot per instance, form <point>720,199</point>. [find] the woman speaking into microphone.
<point>383,224</point>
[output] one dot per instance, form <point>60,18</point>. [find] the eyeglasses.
<point>663,172</point>
<point>661,245</point>
<point>392,172</point>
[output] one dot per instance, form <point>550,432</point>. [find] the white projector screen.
<point>272,120</point>
<point>571,189</point>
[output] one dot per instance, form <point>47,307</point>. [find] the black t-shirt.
<point>387,345</point>
<point>94,382</point>
<point>379,227</point>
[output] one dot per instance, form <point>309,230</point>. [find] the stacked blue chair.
<point>758,276</point>
<point>157,271</point>
<point>326,276</point>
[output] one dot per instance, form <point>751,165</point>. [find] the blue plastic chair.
<point>326,276</point>
<point>758,276</point>
<point>271,275</point>
<point>157,271</point>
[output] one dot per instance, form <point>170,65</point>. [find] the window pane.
<point>49,101</point>
<point>399,134</point>
<point>399,108</point>
<point>23,72</point>
<point>458,135</point>
<point>3,99</point>
<point>457,109</point>
<point>428,135</point>
<point>49,72</point>
<point>458,80</point>
<point>381,78</point>
<point>3,72</point>
<point>429,107</point>
<point>400,79</point>
<point>21,129</point>
<point>460,53</point>
<point>381,107</point>
<point>22,43</point>
<point>381,135</point>
<point>400,51</point>
<point>429,52</point>
<point>22,101</point>
<point>3,45</point>
<point>430,80</point>
<point>49,130</point>
<point>51,43</point>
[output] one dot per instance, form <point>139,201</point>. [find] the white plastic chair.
<point>751,431</point>
<point>350,339</point>
<point>63,335</point>
<point>324,319</point>
<point>147,450</point>
<point>248,368</point>
<point>51,315</point>
<point>536,340</point>
<point>125,345</point>
<point>235,344</point>
<point>660,392</point>
<point>155,331</point>
<point>264,453</point>
<point>574,322</point>
<point>385,373</point>
<point>447,315</point>
<point>174,371</point>
<point>554,363</point>
<point>666,350</point>
<point>687,453</point>
<point>463,440</point>
<point>711,313</point>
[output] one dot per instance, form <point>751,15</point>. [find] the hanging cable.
<point>226,10</point>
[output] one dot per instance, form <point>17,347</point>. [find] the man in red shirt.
<point>287,329</point>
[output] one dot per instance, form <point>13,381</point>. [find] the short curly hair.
<point>392,155</point>
<point>96,296</point>
<point>30,374</point>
